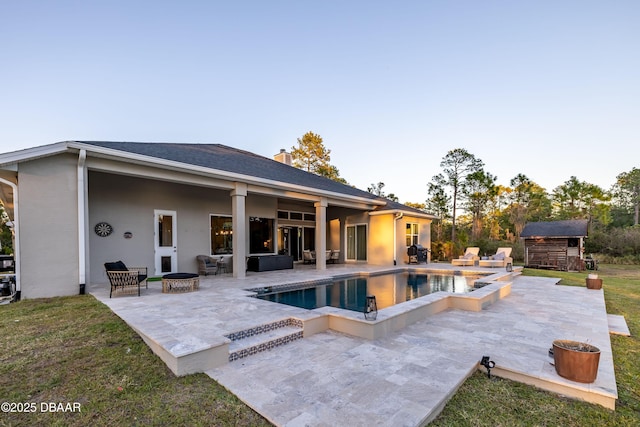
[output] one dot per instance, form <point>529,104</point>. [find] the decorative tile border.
<point>235,336</point>
<point>264,346</point>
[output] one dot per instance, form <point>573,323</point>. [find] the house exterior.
<point>557,245</point>
<point>75,205</point>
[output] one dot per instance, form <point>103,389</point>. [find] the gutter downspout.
<point>82,259</point>
<point>16,236</point>
<point>395,239</point>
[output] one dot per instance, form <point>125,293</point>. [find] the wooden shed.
<point>556,245</point>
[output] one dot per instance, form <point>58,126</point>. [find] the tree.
<point>478,190</point>
<point>416,205</point>
<point>312,156</point>
<point>377,190</point>
<point>578,199</point>
<point>627,191</point>
<point>457,164</point>
<point>438,203</point>
<point>520,197</point>
<point>6,233</point>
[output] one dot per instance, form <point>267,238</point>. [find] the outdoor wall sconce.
<point>509,267</point>
<point>370,308</point>
<point>487,364</point>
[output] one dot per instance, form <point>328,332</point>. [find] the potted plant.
<point>576,361</point>
<point>593,282</point>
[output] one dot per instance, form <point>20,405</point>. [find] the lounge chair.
<point>335,256</point>
<point>308,257</point>
<point>125,279</point>
<point>469,258</point>
<point>206,265</point>
<point>500,259</point>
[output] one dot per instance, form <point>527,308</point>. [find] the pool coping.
<point>398,316</point>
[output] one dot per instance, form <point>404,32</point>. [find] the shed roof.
<point>566,228</point>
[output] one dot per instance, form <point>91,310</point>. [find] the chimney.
<point>283,157</point>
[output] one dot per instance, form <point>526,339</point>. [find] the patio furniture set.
<point>501,258</point>
<point>309,256</point>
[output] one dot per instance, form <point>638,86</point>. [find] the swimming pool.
<point>350,293</point>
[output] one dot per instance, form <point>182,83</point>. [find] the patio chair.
<point>206,265</point>
<point>335,256</point>
<point>308,257</point>
<point>500,259</point>
<point>125,279</point>
<point>469,258</point>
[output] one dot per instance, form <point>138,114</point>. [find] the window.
<point>221,235</point>
<point>296,216</point>
<point>261,235</point>
<point>357,242</point>
<point>412,234</point>
<point>309,238</point>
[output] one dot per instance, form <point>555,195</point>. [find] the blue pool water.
<point>389,289</point>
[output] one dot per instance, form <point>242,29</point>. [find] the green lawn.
<point>73,350</point>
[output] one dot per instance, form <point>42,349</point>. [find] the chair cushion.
<point>468,255</point>
<point>180,276</point>
<point>115,266</point>
<point>499,256</point>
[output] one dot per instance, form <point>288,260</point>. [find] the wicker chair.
<point>206,265</point>
<point>308,257</point>
<point>125,279</point>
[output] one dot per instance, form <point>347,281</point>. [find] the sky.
<point>550,89</point>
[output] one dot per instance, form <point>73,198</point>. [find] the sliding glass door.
<point>357,242</point>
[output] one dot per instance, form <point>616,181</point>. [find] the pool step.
<point>264,337</point>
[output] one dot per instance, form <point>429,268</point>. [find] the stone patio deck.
<point>403,376</point>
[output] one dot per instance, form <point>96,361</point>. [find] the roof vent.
<point>283,157</point>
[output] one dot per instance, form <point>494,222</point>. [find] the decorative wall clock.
<point>103,229</point>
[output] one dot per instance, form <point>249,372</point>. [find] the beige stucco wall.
<point>380,240</point>
<point>380,236</point>
<point>48,210</point>
<point>128,204</point>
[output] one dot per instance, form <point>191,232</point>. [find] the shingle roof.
<point>566,228</point>
<point>229,159</point>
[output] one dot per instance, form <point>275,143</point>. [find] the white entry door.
<point>166,247</point>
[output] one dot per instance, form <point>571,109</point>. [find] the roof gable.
<point>566,228</point>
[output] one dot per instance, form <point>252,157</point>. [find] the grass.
<point>75,350</point>
<point>500,402</point>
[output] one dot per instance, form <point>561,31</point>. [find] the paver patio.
<point>405,378</point>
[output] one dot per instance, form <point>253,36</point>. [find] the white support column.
<point>239,223</point>
<point>82,220</point>
<point>321,234</point>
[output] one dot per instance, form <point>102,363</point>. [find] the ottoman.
<point>180,282</point>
